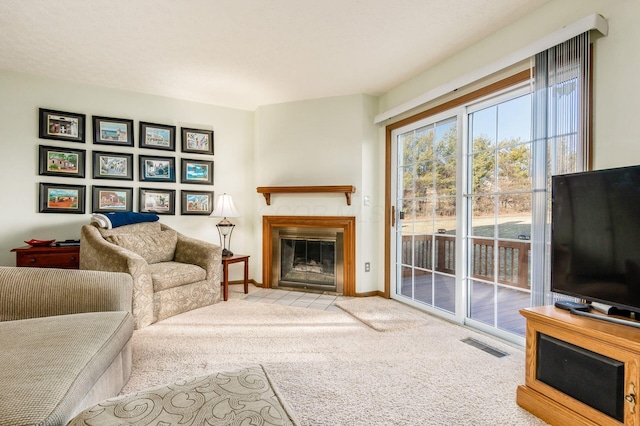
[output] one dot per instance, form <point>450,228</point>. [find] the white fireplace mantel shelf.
<point>268,190</point>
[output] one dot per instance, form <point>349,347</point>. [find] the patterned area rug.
<point>383,314</point>
<point>238,397</point>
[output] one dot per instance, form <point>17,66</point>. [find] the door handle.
<point>393,216</point>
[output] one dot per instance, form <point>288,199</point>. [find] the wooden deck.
<point>437,252</point>
<point>497,306</point>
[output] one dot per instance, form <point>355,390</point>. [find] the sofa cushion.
<point>174,274</point>
<point>154,247</point>
<point>49,364</point>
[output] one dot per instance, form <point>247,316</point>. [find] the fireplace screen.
<point>308,261</point>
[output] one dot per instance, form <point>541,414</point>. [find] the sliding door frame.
<point>389,213</point>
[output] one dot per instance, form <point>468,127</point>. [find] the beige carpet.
<point>333,370</point>
<point>383,314</point>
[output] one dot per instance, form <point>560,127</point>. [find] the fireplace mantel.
<point>268,190</point>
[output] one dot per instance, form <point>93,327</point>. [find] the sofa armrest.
<point>197,252</point>
<point>39,292</point>
<point>99,255</point>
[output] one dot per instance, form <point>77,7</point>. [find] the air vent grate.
<point>484,347</point>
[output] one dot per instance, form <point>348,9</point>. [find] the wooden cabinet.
<point>48,257</point>
<point>614,381</point>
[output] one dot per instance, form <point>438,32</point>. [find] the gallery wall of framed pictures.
<point>118,166</point>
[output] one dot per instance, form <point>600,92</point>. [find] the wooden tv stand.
<point>617,342</point>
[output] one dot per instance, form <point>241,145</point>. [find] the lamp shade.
<point>225,207</point>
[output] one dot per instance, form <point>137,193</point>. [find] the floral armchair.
<point>172,273</point>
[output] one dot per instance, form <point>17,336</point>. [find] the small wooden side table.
<point>228,260</point>
<point>66,257</point>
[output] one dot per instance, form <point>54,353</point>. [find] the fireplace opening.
<point>308,259</point>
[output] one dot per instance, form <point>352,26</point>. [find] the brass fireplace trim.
<point>346,223</point>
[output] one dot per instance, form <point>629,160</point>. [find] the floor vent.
<point>482,346</point>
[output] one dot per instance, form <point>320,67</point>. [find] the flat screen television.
<point>595,236</point>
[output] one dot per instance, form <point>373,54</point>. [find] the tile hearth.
<point>324,302</point>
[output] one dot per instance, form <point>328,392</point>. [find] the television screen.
<point>595,236</point>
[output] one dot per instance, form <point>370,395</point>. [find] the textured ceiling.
<point>244,53</point>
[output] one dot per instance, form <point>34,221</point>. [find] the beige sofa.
<point>172,273</point>
<point>65,342</point>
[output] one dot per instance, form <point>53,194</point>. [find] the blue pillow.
<point>129,218</point>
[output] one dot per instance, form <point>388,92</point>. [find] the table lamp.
<point>224,209</point>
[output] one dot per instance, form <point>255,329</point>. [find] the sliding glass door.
<point>470,191</point>
<point>499,200</point>
<point>427,217</point>
<point>463,219</point>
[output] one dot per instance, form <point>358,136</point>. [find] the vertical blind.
<point>561,103</point>
<point>561,92</point>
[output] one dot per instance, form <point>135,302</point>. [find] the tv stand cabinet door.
<point>618,342</point>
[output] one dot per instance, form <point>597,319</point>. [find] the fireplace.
<point>308,259</point>
<point>309,253</point>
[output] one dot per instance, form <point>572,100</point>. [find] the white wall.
<point>328,141</point>
<point>316,142</point>
<point>616,97</point>
<point>22,95</point>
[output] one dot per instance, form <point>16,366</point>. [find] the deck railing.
<point>513,257</point>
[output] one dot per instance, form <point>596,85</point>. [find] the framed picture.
<point>196,202</point>
<point>62,126</point>
<point>157,169</point>
<point>55,161</point>
<point>112,131</point>
<point>106,199</point>
<point>112,165</point>
<point>157,136</point>
<point>59,198</point>
<point>197,171</point>
<point>197,141</point>
<point>159,201</point>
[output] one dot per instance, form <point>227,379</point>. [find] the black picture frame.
<point>112,165</point>
<point>158,201</point>
<point>199,172</point>
<point>196,202</point>
<point>157,136</point>
<point>197,141</point>
<point>112,131</point>
<point>157,169</point>
<point>61,125</point>
<point>61,198</point>
<point>107,199</point>
<point>62,162</point>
